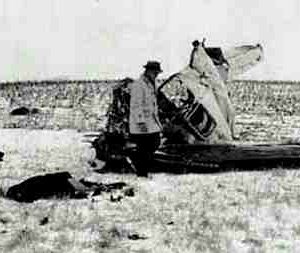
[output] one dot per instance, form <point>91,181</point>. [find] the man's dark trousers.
<point>147,144</point>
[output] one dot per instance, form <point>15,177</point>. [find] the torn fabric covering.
<point>242,58</point>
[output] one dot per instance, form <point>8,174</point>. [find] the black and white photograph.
<point>145,126</point>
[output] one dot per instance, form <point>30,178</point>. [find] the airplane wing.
<point>242,58</point>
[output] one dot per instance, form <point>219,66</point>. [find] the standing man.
<point>144,124</point>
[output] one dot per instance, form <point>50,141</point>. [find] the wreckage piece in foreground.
<point>58,185</point>
<point>42,186</point>
<point>197,118</point>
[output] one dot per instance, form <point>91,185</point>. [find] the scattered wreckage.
<point>197,118</point>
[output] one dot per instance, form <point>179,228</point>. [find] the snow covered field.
<point>229,212</point>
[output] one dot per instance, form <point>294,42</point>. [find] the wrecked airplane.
<point>197,117</point>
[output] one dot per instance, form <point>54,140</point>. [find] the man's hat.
<point>154,65</point>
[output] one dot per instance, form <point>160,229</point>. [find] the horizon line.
<point>107,81</point>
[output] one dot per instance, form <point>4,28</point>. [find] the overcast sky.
<point>42,39</point>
